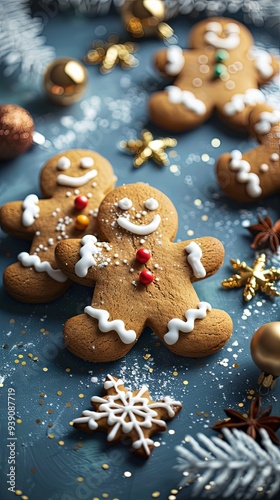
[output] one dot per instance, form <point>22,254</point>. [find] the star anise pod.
<point>266,233</point>
<point>252,424</point>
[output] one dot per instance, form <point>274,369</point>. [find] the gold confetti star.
<point>253,278</point>
<point>111,53</point>
<point>147,147</point>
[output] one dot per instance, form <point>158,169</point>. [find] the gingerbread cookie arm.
<point>18,218</point>
<point>266,65</point>
<point>76,258</point>
<point>204,256</point>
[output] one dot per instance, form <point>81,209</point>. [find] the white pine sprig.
<point>22,49</point>
<point>237,467</point>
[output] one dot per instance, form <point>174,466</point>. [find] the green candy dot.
<point>220,70</point>
<point>221,55</point>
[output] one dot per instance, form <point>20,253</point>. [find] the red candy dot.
<point>143,255</point>
<point>146,277</point>
<point>80,202</point>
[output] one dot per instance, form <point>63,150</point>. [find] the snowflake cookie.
<point>221,71</point>
<point>125,414</point>
<point>73,184</point>
<point>256,173</point>
<point>142,278</point>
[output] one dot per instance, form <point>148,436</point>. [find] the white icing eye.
<point>125,204</point>
<point>86,162</point>
<point>151,204</point>
<point>63,163</point>
<point>232,28</point>
<point>216,27</point>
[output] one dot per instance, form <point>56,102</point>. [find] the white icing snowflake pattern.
<point>126,411</point>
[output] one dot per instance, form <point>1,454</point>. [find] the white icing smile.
<point>214,29</point>
<point>67,180</point>
<point>141,230</point>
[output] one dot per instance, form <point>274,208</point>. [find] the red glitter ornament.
<point>146,277</point>
<point>80,202</point>
<point>143,255</point>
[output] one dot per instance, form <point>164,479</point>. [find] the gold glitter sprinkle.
<point>68,405</point>
<point>252,391</point>
<point>171,497</point>
<point>50,411</point>
<point>67,370</point>
<point>204,217</point>
<point>23,363</point>
<point>18,492</point>
<point>151,370</point>
<point>185,382</point>
<point>38,421</point>
<point>59,393</point>
<point>80,479</point>
<point>24,497</point>
<point>45,369</point>
<point>105,466</point>
<point>71,423</point>
<point>197,202</point>
<point>23,332</point>
<point>215,143</point>
<point>249,397</point>
<point>20,344</point>
<point>205,157</point>
<point>20,356</point>
<point>198,412</point>
<point>190,232</point>
<point>105,495</point>
<point>16,361</point>
<point>42,330</point>
<point>61,443</point>
<point>30,355</point>
<point>40,402</point>
<point>235,365</point>
<point>42,394</point>
<point>155,494</point>
<point>175,374</point>
<point>206,415</point>
<point>81,395</point>
<point>50,425</point>
<point>127,474</point>
<point>5,346</point>
<point>173,169</point>
<point>18,421</point>
<point>51,436</point>
<point>147,356</point>
<point>240,405</point>
<point>158,344</point>
<point>174,492</point>
<point>12,321</point>
<point>36,358</point>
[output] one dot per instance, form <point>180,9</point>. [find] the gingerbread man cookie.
<point>255,174</point>
<point>221,71</point>
<point>73,183</point>
<point>142,279</point>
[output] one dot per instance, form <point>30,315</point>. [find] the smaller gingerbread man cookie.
<point>142,278</point>
<point>220,72</point>
<point>125,414</point>
<point>73,184</point>
<point>255,174</point>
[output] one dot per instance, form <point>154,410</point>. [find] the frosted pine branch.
<point>237,466</point>
<point>22,49</point>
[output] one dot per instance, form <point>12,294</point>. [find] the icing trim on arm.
<point>105,326</point>
<point>141,230</point>
<point>177,325</point>
<point>262,62</point>
<point>243,174</point>
<point>28,260</point>
<point>238,102</point>
<point>87,251</point>
<point>175,60</point>
<point>188,99</point>
<point>30,210</point>
<point>194,259</point>
<point>266,120</point>
<point>67,180</point>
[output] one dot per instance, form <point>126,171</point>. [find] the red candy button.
<point>80,202</point>
<point>143,255</point>
<point>146,277</point>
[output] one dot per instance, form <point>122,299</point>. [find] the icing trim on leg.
<point>177,325</point>
<point>187,98</point>
<point>105,326</point>
<point>243,174</point>
<point>238,102</point>
<point>28,260</point>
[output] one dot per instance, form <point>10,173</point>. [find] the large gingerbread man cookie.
<point>221,72</point>
<point>142,279</point>
<point>73,184</point>
<point>256,173</point>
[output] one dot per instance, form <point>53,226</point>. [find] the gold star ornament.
<point>111,53</point>
<point>255,278</point>
<point>148,147</point>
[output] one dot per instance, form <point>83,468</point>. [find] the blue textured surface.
<point>114,108</point>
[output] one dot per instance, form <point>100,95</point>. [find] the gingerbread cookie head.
<point>255,174</point>
<point>220,72</point>
<point>141,278</point>
<point>74,184</point>
<point>137,211</point>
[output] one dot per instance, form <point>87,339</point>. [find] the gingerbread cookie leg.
<point>89,336</point>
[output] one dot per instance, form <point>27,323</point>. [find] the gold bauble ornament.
<point>16,131</point>
<point>265,351</point>
<point>65,80</point>
<point>145,18</point>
